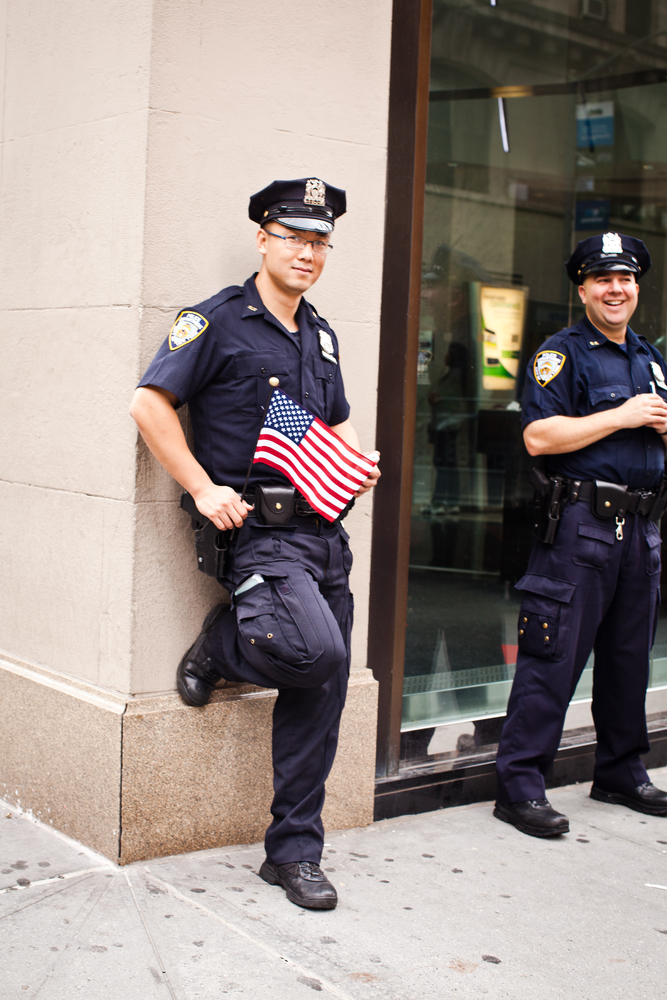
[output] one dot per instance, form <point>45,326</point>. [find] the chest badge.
<point>547,365</point>
<point>658,375</point>
<point>187,328</point>
<point>326,346</point>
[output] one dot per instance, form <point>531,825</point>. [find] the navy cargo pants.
<point>587,591</point>
<point>292,632</point>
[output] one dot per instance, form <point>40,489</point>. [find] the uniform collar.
<point>253,306</point>
<point>252,302</point>
<point>594,338</point>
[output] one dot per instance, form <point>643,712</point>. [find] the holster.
<point>274,504</point>
<point>660,502</point>
<point>211,544</point>
<point>550,498</point>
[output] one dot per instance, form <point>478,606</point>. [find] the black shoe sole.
<point>621,799</point>
<point>210,622</point>
<point>507,817</point>
<point>270,875</point>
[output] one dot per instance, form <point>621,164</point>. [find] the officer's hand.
<point>373,475</point>
<point>222,505</point>
<point>646,410</point>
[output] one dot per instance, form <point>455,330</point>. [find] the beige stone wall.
<point>132,134</point>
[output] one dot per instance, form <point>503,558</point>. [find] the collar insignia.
<point>188,326</point>
<point>611,243</point>
<point>254,308</point>
<point>315,192</point>
<point>547,365</point>
<point>326,346</point>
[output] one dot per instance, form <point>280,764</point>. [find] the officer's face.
<point>610,298</point>
<point>294,271</point>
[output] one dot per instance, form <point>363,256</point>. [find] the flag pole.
<point>273,383</point>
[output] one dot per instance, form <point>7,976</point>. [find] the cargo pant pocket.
<point>544,618</point>
<point>275,617</point>
<point>593,545</point>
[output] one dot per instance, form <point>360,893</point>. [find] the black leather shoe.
<point>304,882</point>
<point>644,798</point>
<point>534,817</point>
<point>196,676</point>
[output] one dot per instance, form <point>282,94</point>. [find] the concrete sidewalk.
<point>448,903</point>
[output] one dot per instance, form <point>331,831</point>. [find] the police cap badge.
<point>547,365</point>
<point>188,326</point>
<point>308,204</point>
<point>608,252</point>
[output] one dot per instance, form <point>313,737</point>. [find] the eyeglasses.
<point>297,243</point>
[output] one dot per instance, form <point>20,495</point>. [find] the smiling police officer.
<point>287,568</point>
<point>595,405</point>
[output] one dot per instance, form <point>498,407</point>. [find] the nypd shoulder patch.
<point>188,326</point>
<point>547,365</point>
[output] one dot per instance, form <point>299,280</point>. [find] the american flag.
<point>319,463</point>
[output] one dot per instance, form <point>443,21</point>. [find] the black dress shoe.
<point>534,817</point>
<point>644,798</point>
<point>196,676</point>
<point>304,882</point>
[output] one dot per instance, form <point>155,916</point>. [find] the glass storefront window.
<point>547,123</point>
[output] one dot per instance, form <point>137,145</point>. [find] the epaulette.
<point>209,305</point>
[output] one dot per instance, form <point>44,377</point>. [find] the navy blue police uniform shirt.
<point>219,358</point>
<point>579,371</point>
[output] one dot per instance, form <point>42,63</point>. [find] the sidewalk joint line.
<point>58,878</point>
<point>325,984</point>
<point>161,964</point>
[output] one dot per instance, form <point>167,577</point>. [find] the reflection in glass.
<point>545,126</point>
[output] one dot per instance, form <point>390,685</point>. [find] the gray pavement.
<point>448,903</point>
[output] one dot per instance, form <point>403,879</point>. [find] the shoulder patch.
<point>547,365</point>
<point>188,326</point>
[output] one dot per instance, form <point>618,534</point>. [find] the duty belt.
<point>277,504</point>
<point>607,500</point>
<point>610,499</point>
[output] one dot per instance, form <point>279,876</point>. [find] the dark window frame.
<point>397,381</point>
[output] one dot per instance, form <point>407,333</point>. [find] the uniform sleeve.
<point>188,359</point>
<point>548,390</point>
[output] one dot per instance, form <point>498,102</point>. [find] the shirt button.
<point>613,395</point>
<point>263,371</point>
<point>306,394</point>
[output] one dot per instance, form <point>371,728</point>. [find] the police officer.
<point>595,405</point>
<point>287,568</point>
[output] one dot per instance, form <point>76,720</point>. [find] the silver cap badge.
<point>611,243</point>
<point>315,192</point>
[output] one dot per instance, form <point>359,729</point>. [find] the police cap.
<point>608,252</point>
<point>307,203</point>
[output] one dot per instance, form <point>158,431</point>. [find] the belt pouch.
<point>609,499</point>
<point>274,504</point>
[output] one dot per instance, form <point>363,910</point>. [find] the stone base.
<point>148,777</point>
